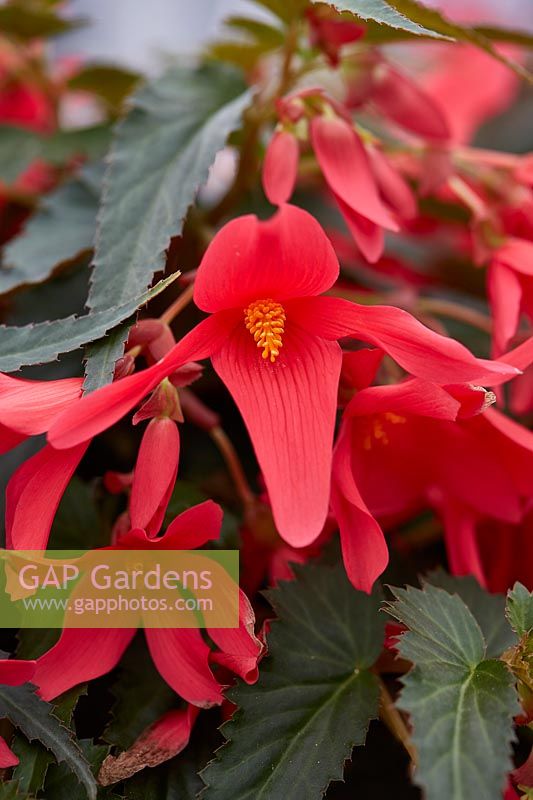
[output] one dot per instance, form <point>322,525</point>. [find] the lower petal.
<point>7,756</point>
<point>461,543</point>
<point>505,294</point>
<point>240,649</point>
<point>34,493</point>
<point>364,549</point>
<point>289,410</point>
<point>368,236</point>
<point>80,655</point>
<point>182,658</point>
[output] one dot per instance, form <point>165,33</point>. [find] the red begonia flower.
<point>484,463</point>
<point>181,655</point>
<point>272,341</point>
<point>13,673</point>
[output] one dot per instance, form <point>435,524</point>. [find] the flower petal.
<point>29,407</point>
<point>15,672</point>
<point>416,348</point>
<point>240,649</point>
<point>344,162</point>
<point>364,549</point>
<point>162,740</point>
<point>182,658</point>
<point>7,756</point>
<point>461,542</point>
<point>289,410</point>
<point>505,294</point>
<point>97,411</point>
<point>155,471</point>
<point>280,167</point>
<point>9,439</point>
<point>412,396</point>
<point>80,655</point>
<point>288,255</point>
<point>368,236</point>
<point>191,529</point>
<point>33,495</point>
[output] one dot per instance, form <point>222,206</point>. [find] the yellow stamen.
<point>265,319</point>
<point>377,429</point>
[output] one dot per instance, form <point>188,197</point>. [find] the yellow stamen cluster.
<point>378,431</point>
<point>265,319</point>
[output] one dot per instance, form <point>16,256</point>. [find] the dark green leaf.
<point>141,696</point>
<point>33,756</point>
<point>103,355</point>
<point>33,21</point>
<point>435,21</point>
<point>286,10</point>
<point>461,703</point>
<point>315,696</point>
<point>77,524</point>
<point>383,12</point>
<point>113,84</point>
<point>19,147</point>
<point>519,609</point>
<point>40,343</point>
<point>61,783</point>
<point>33,716</point>
<point>59,233</point>
<point>160,157</point>
<point>488,610</point>
<point>10,790</point>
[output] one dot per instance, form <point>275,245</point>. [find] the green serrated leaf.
<point>34,758</point>
<point>109,82</point>
<point>34,718</point>
<point>103,355</point>
<point>25,21</point>
<point>59,233</point>
<point>461,703</point>
<point>488,609</point>
<point>43,342</point>
<point>61,783</point>
<point>160,157</point>
<point>141,697</point>
<point>384,13</point>
<point>434,20</point>
<point>519,610</point>
<point>315,696</point>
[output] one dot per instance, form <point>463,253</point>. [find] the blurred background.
<point>140,34</point>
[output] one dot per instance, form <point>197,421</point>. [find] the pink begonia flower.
<point>13,673</point>
<point>272,340</point>
<point>181,655</point>
<point>407,446</point>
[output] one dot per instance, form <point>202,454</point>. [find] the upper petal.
<point>280,167</point>
<point>29,407</point>
<point>417,349</point>
<point>289,410</point>
<point>155,470</point>
<point>288,255</point>
<point>346,167</point>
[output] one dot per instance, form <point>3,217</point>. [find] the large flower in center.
<point>272,340</point>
